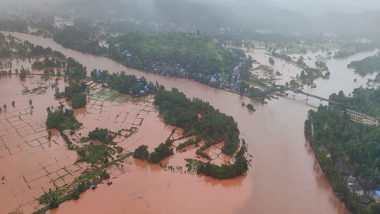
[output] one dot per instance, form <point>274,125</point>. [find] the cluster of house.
<point>361,118</point>
<point>352,183</point>
<point>60,22</point>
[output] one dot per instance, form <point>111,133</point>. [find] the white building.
<point>60,22</point>
<point>361,118</point>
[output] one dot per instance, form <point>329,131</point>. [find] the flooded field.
<point>284,177</point>
<point>34,161</point>
<point>30,163</point>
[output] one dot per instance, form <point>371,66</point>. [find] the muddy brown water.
<point>284,178</point>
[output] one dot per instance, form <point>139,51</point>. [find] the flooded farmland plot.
<point>36,160</point>
<point>31,163</point>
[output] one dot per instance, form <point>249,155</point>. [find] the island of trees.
<point>368,65</point>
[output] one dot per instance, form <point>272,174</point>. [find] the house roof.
<point>356,187</point>
<point>377,193</point>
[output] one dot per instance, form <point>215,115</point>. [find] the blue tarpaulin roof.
<point>377,192</point>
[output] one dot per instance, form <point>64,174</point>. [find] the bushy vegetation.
<point>175,54</point>
<point>141,153</point>
<point>76,93</point>
<point>362,99</point>
<point>102,135</point>
<point>72,191</point>
<point>225,171</point>
<point>79,101</point>
<point>95,153</point>
<point>62,119</point>
<point>198,118</point>
<point>161,152</point>
<point>187,143</point>
<point>126,84</point>
<point>368,65</point>
<point>250,107</point>
<point>336,139</point>
<point>11,46</point>
<point>78,37</point>
<point>75,70</point>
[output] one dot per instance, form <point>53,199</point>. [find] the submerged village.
<point>49,90</point>
<point>158,117</point>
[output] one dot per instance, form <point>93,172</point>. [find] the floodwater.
<point>284,177</point>
<point>30,164</point>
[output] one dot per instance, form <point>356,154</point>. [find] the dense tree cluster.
<point>361,99</point>
<point>76,93</point>
<point>368,65</point>
<point>48,62</point>
<point>62,119</point>
<point>11,46</point>
<point>239,167</point>
<point>250,107</point>
<point>336,139</point>
<point>198,118</point>
<point>126,84</point>
<point>174,54</point>
<point>141,153</point>
<point>79,37</point>
<point>75,70</point>
<point>161,152</point>
<point>187,143</point>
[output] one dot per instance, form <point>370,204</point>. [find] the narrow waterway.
<point>284,177</point>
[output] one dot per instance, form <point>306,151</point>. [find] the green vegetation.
<point>238,168</point>
<point>368,65</point>
<point>271,61</point>
<point>95,153</point>
<point>161,152</point>
<point>91,176</point>
<point>79,101</point>
<point>187,143</point>
<point>75,70</point>
<point>62,119</point>
<point>250,107</point>
<point>13,47</point>
<point>321,65</point>
<point>362,99</point>
<point>103,135</point>
<point>78,37</point>
<point>141,153</point>
<point>49,62</point>
<point>352,48</point>
<point>76,93</point>
<point>308,75</point>
<point>198,118</point>
<point>338,140</point>
<point>282,56</point>
<point>126,84</point>
<point>174,54</point>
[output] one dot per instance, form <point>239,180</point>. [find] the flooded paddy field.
<point>30,162</point>
<point>35,160</point>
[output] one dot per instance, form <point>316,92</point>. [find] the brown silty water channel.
<point>284,177</point>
